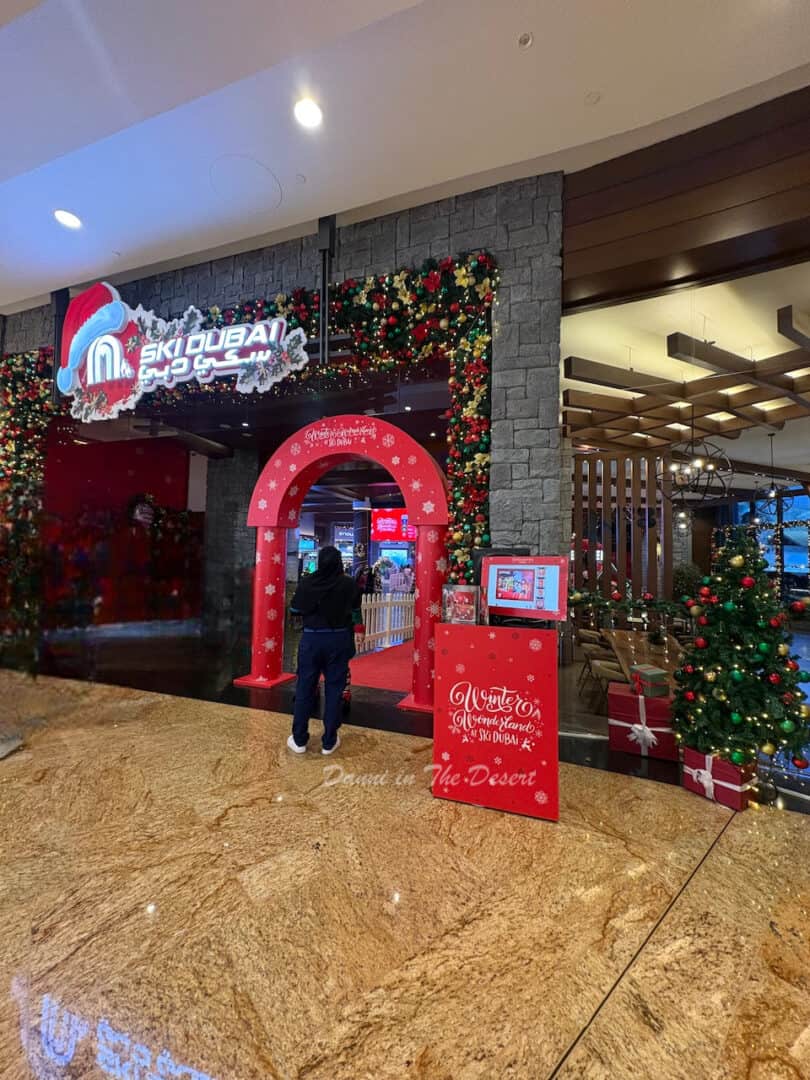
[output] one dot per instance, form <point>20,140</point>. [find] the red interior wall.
<point>102,476</point>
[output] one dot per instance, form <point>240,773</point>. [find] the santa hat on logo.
<point>98,310</point>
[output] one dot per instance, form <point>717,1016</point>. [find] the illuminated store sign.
<point>113,354</point>
<point>391,525</point>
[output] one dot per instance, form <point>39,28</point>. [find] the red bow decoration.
<point>638,686</point>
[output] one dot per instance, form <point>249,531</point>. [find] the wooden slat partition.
<point>636,527</point>
<point>621,531</point>
<point>592,462</point>
<point>667,526</point>
<point>579,522</point>
<point>607,525</point>
<point>611,490</point>
<point>652,526</point>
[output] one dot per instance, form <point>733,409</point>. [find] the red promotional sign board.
<point>495,718</point>
<point>391,525</point>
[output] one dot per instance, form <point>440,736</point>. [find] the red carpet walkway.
<point>389,669</point>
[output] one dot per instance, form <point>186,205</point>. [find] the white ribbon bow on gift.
<point>640,733</point>
<point>709,783</point>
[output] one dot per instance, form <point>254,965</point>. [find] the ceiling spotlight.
<point>433,434</point>
<point>526,40</point>
<point>245,423</point>
<point>70,221</point>
<point>308,113</point>
<point>407,408</point>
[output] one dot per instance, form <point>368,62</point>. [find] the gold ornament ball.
<point>737,561</point>
<point>783,650</point>
<point>804,711</point>
<point>695,610</point>
<point>768,748</point>
<point>458,536</point>
<point>710,676</point>
<point>718,694</point>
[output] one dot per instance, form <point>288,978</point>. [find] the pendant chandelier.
<point>698,472</point>
<point>769,496</point>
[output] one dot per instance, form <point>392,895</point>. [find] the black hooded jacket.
<point>327,598</point>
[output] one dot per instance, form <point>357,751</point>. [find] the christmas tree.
<point>738,687</point>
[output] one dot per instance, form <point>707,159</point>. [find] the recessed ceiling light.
<point>308,113</point>
<point>245,423</point>
<point>407,408</point>
<point>526,40</point>
<point>433,434</point>
<point>70,221</point>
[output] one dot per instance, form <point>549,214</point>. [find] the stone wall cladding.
<point>29,330</point>
<point>521,224</point>
<point>230,546</point>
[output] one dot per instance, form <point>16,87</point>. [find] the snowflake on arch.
<point>535,644</point>
<point>540,797</point>
<point>295,449</point>
<point>433,536</point>
<point>262,504</point>
<point>412,460</point>
<point>395,461</point>
<point>530,678</point>
<point>460,669</point>
<point>388,441</point>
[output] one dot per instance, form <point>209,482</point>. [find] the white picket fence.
<point>388,620</point>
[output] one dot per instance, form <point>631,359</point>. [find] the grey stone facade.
<point>520,223</point>
<point>230,546</point>
<point>29,330</point>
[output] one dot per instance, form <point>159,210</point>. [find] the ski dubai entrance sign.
<point>112,354</point>
<point>276,506</point>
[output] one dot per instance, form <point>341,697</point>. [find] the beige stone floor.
<point>178,888</point>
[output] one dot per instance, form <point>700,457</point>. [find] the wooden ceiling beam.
<point>668,393</point>
<point>794,324</point>
<point>705,354</point>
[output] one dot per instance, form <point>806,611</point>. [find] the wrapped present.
<point>639,725</point>
<point>649,680</point>
<point>717,779</point>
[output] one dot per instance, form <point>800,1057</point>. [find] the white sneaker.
<point>334,748</point>
<point>293,745</point>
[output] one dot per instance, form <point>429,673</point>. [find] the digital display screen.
<point>391,525</point>
<point>532,588</point>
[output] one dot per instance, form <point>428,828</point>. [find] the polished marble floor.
<point>181,897</point>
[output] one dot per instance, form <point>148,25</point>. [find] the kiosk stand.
<point>495,735</point>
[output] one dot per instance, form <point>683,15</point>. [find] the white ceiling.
<point>739,316</point>
<point>167,126</point>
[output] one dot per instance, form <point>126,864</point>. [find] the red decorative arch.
<point>276,506</point>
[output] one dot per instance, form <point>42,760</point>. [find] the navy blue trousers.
<point>327,653</point>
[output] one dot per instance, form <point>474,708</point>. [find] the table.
<point>632,647</point>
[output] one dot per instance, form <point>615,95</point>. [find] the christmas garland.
<point>26,409</point>
<point>408,325</point>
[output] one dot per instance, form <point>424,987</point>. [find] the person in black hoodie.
<point>326,600</point>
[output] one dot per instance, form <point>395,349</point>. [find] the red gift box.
<point>718,780</point>
<point>640,725</point>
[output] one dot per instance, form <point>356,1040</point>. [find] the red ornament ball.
<point>701,643</point>
<point>747,582</point>
<point>775,678</point>
<point>714,599</point>
<point>787,698</point>
<point>689,669</point>
<point>797,607</point>
<point>801,762</point>
<point>792,665</point>
<point>690,695</point>
<point>648,596</point>
<point>703,620</point>
<point>616,595</point>
<point>774,622</point>
<point>705,591</point>
<point>689,603</point>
